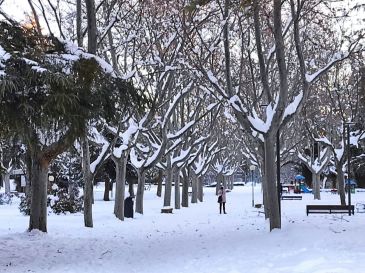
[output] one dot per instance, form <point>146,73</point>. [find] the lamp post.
<point>252,169</point>
<point>348,164</point>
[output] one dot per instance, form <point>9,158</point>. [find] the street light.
<point>348,164</point>
<point>252,169</point>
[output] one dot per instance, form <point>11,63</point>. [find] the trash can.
<point>128,207</point>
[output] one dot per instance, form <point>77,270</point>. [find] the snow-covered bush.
<point>24,205</point>
<point>61,201</point>
<point>5,198</point>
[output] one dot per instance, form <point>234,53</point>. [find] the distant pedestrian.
<point>222,200</point>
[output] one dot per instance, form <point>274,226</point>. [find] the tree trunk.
<point>159,184</point>
<point>91,27</point>
<point>7,182</point>
<point>316,186</point>
<point>71,192</point>
<point>265,196</point>
<point>168,184</point>
<point>194,188</point>
<point>106,188</point>
<point>200,189</point>
<point>341,183</point>
<point>38,207</point>
<point>131,189</point>
<point>272,193</point>
<point>120,168</point>
<point>140,191</point>
<point>177,187</point>
<point>185,190</point>
<point>113,53</point>
<point>79,23</point>
<point>88,183</point>
<point>220,181</point>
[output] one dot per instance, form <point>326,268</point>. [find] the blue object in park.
<point>304,189</point>
<point>299,177</point>
<point>352,182</point>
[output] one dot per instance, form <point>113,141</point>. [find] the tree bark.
<point>121,169</point>
<point>340,182</point>
<point>194,188</point>
<point>185,190</point>
<point>38,208</point>
<point>177,187</point>
<point>79,23</point>
<point>106,188</point>
<point>140,191</point>
<point>316,186</point>
<point>7,182</point>
<point>270,173</point>
<point>131,189</point>
<point>159,184</point>
<point>200,189</point>
<point>168,184</point>
<point>91,27</point>
<point>220,182</point>
<point>88,183</point>
<point>265,196</point>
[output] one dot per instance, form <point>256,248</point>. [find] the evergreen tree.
<point>49,91</point>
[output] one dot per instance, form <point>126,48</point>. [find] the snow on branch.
<point>258,124</point>
<point>319,163</point>
<point>136,162</point>
<point>74,53</point>
<point>236,103</point>
<point>215,83</point>
<point>337,57</point>
<point>99,139</point>
<point>293,106</point>
<point>182,130</point>
<point>324,140</point>
<point>174,102</point>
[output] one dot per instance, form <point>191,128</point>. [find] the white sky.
<point>16,8</point>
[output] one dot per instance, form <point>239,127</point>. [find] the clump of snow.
<point>293,106</point>
<point>4,56</point>
<point>74,53</point>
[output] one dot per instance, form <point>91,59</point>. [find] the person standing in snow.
<point>222,200</point>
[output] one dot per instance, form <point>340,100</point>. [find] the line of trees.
<point>182,87</point>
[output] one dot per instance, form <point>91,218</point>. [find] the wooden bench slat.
<point>329,209</point>
<point>291,197</point>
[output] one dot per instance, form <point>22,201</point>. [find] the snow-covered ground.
<point>194,239</point>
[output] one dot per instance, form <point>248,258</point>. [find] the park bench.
<point>291,197</point>
<point>166,210</point>
<point>329,209</point>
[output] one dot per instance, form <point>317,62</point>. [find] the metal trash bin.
<point>128,207</point>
